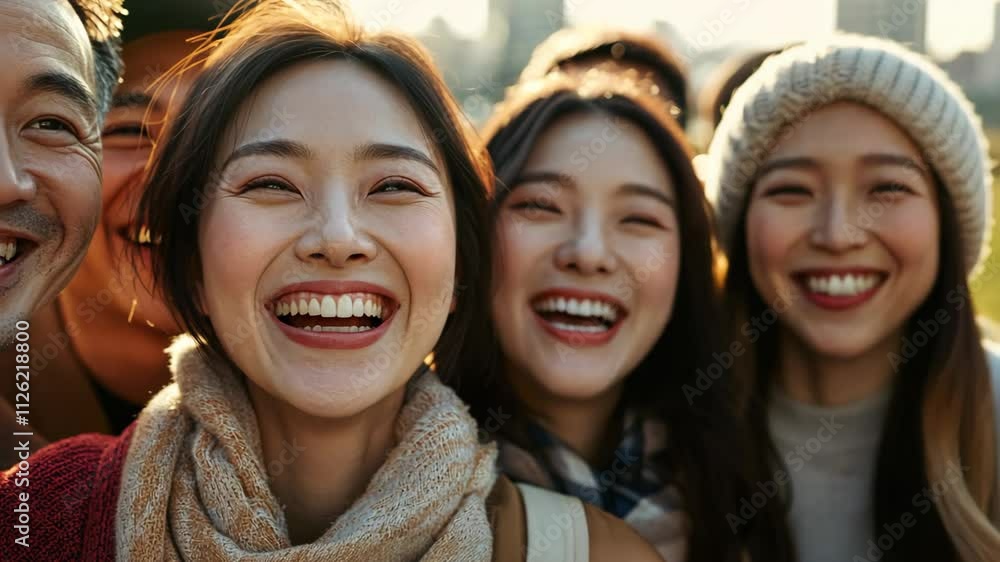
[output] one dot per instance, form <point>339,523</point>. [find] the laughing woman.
<point>310,246</point>
<point>853,194</point>
<point>605,312</point>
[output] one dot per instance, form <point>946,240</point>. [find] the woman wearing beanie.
<point>852,188</point>
<point>605,314</point>
<point>310,246</point>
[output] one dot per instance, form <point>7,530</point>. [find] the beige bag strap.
<point>557,526</point>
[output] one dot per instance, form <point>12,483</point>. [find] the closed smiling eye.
<point>891,188</point>
<point>398,185</point>
<point>642,221</point>
<point>534,205</point>
<point>126,130</point>
<point>786,190</point>
<point>269,184</point>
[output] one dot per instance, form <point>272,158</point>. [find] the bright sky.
<point>954,25</point>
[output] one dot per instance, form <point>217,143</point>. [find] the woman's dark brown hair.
<point>724,82</point>
<point>711,456</point>
<point>593,45</point>
<point>271,36</point>
<point>940,414</point>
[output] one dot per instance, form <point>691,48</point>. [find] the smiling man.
<point>97,348</point>
<point>60,63</point>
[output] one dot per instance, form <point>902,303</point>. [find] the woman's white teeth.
<point>331,306</point>
<point>842,285</point>
<point>585,307</point>
<point>328,309</point>
<point>345,307</point>
<point>579,328</point>
<point>8,250</point>
<point>340,329</point>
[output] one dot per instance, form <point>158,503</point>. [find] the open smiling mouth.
<point>355,312</point>
<point>840,290</point>
<point>579,321</point>
<point>344,320</point>
<point>141,238</point>
<point>12,250</point>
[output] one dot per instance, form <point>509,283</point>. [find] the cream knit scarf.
<point>194,484</point>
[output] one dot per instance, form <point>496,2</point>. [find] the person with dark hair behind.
<point>728,76</point>
<point>645,57</point>
<point>714,96</point>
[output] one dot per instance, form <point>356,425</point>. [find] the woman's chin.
<point>842,346</point>
<point>580,385</point>
<point>339,392</point>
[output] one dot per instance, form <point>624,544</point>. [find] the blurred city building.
<point>978,72</point>
<point>479,69</point>
<point>904,21</point>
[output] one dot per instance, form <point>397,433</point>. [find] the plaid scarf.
<point>629,487</point>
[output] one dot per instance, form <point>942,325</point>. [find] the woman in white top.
<point>852,188</point>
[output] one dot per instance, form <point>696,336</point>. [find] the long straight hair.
<point>940,417</point>
<point>709,453</point>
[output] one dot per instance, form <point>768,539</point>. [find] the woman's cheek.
<point>421,238</point>
<point>228,243</point>
<point>237,244</point>
<point>769,237</point>
<point>521,243</point>
<point>509,237</point>
<point>653,262</point>
<point>909,228</point>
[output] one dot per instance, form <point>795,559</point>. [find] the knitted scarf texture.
<point>195,486</point>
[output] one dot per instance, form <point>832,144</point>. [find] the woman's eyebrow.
<point>790,162</point>
<point>282,148</point>
<point>389,151</point>
<point>554,178</point>
<point>285,148</point>
<point>646,191</point>
<point>880,159</point>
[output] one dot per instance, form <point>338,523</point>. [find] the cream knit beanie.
<point>899,83</point>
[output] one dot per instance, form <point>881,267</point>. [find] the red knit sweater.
<point>72,488</point>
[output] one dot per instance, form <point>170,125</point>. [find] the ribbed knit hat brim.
<point>903,85</point>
